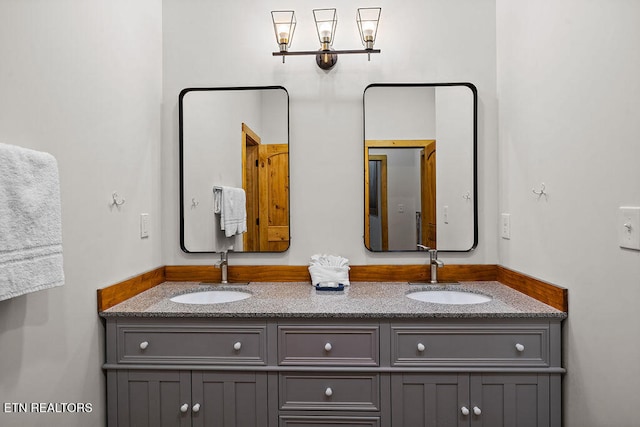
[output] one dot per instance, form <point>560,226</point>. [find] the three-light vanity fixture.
<point>284,25</point>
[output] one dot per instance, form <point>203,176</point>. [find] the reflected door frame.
<point>250,183</point>
<point>427,172</point>
<point>383,211</point>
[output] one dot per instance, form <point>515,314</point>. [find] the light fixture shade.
<point>368,19</point>
<point>326,22</point>
<point>284,25</point>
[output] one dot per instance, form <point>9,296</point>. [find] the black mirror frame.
<point>474,91</point>
<point>181,96</point>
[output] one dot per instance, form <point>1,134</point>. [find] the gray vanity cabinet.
<point>152,398</point>
<point>432,400</point>
<point>191,398</point>
<point>186,372</point>
<point>478,373</point>
<point>332,372</point>
<point>518,400</point>
<point>329,374</point>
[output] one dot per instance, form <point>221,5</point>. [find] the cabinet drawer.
<point>344,392</point>
<point>245,345</point>
<point>328,346</point>
<point>327,421</point>
<point>470,346</point>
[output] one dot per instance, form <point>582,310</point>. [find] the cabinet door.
<point>229,399</point>
<point>154,398</point>
<point>513,400</point>
<point>429,400</point>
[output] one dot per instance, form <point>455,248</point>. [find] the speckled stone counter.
<point>359,300</point>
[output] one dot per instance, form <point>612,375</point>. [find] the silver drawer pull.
<point>144,345</point>
<point>520,347</point>
<point>237,346</point>
<point>328,347</point>
<point>184,408</point>
<point>477,410</point>
<point>421,347</point>
<point>196,407</point>
<point>328,392</point>
<point>464,410</point>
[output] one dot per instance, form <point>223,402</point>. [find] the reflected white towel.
<point>30,222</point>
<point>231,204</point>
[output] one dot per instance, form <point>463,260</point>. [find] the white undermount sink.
<point>449,297</point>
<point>211,297</point>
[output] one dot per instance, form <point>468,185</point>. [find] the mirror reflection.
<point>420,167</point>
<point>234,169</point>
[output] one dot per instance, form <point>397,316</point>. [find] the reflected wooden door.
<point>428,191</point>
<point>274,197</point>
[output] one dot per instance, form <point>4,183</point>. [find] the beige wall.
<point>80,79</point>
<point>570,117</point>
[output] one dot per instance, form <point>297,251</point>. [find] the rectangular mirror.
<point>420,167</point>
<point>234,137</point>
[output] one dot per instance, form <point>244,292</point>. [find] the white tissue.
<point>327,269</point>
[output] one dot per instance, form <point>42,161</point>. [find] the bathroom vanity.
<point>291,356</point>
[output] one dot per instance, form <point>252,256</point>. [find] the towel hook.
<point>541,192</point>
<point>466,196</point>
<point>117,201</point>
<point>194,202</point>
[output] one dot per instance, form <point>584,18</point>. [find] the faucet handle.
<point>423,247</point>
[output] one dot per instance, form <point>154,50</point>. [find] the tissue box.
<point>325,273</point>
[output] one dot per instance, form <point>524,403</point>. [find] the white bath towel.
<point>329,269</point>
<point>30,222</point>
<point>231,204</point>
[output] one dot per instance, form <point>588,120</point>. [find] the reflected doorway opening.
<point>400,181</point>
<point>378,230</point>
<point>265,180</point>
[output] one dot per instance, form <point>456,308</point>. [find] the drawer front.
<point>328,421</point>
<point>328,346</point>
<point>470,346</point>
<point>343,392</point>
<point>192,345</point>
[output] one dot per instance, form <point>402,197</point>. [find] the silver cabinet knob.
<point>421,347</point>
<point>328,347</point>
<point>144,345</point>
<point>328,392</point>
<point>477,410</point>
<point>464,410</point>
<point>237,346</point>
<point>184,408</point>
<point>520,347</point>
<point>196,407</point>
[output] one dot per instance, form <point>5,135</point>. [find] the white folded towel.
<point>231,204</point>
<point>329,269</point>
<point>30,222</point>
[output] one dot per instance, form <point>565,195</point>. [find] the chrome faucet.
<point>433,261</point>
<point>223,265</point>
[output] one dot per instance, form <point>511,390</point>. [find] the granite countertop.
<point>359,300</point>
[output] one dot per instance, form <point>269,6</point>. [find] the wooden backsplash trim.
<point>547,293</point>
<point>358,273</point>
<point>553,295</point>
<point>115,294</point>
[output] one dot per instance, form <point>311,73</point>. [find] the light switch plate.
<point>144,225</point>
<point>505,226</point>
<point>629,227</point>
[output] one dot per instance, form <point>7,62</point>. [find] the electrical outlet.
<point>505,226</point>
<point>144,225</point>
